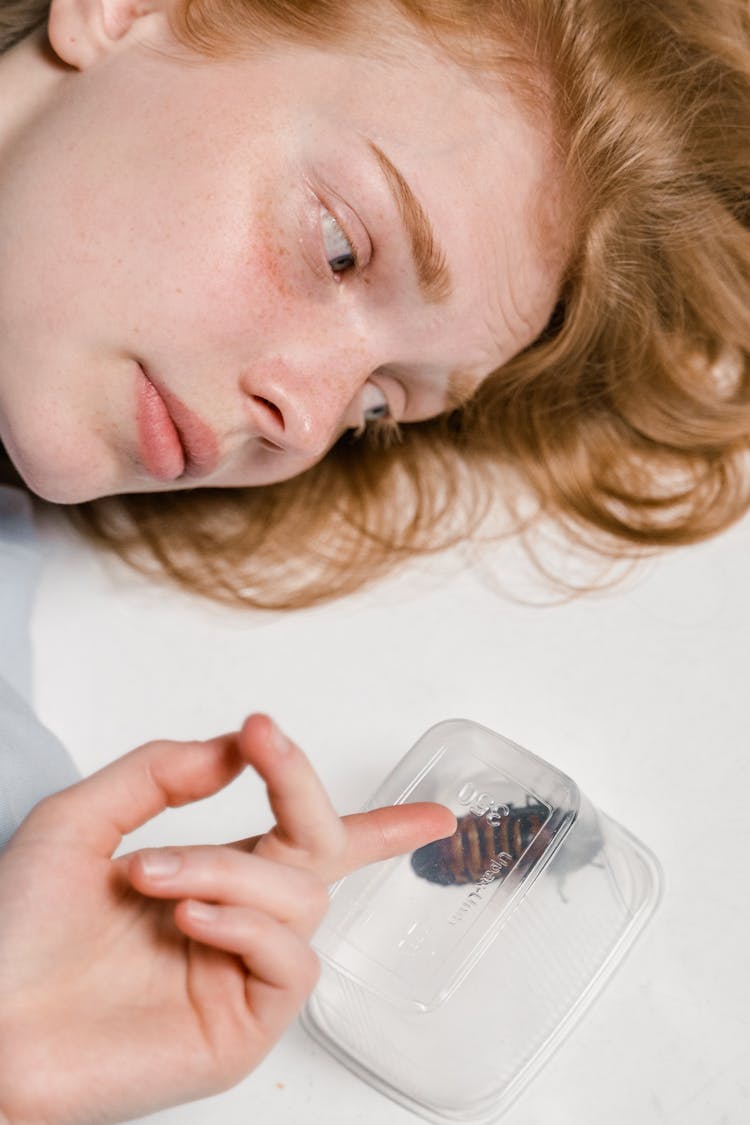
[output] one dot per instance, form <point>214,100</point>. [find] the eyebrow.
<point>428,256</point>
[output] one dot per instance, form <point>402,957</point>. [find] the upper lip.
<point>198,440</point>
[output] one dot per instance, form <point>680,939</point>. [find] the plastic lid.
<point>450,975</point>
<point>411,928</point>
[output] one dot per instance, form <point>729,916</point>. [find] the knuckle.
<point>259,928</point>
<point>152,749</point>
<point>45,812</point>
<point>332,846</point>
<point>321,899</point>
<point>42,809</point>
<point>307,971</point>
<point>221,860</point>
<point>313,896</point>
<point>214,865</point>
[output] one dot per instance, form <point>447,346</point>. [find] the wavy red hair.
<point>628,420</point>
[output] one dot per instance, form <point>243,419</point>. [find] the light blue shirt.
<point>33,762</point>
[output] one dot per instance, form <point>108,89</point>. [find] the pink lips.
<point>172,441</point>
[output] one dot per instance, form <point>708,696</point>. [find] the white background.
<point>641,694</point>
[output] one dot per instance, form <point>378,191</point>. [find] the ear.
<point>81,32</point>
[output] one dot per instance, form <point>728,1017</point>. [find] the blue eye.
<point>339,251</point>
<point>374,404</point>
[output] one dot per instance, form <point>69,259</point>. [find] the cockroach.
<point>482,848</point>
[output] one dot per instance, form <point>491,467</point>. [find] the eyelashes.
<point>381,434</point>
<point>341,257</point>
<point>375,405</point>
<point>339,251</point>
<point>344,253</point>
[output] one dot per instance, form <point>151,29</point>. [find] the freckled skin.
<point>188,238</point>
<point>268,255</point>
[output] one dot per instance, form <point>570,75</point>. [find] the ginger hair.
<point>628,419</point>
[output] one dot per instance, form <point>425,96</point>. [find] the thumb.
<point>97,812</point>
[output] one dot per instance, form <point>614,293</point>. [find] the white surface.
<point>640,694</point>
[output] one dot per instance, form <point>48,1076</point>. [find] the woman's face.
<point>211,269</point>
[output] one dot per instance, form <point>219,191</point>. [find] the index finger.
<point>368,838</point>
<point>391,831</point>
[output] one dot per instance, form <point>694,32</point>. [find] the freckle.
<point>268,253</point>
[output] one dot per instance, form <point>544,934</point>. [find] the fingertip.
<point>157,866</point>
<point>134,869</point>
<point>260,730</point>
<point>435,821</point>
<point>257,725</point>
<point>137,875</point>
<point>195,917</point>
<point>200,913</point>
<point>448,821</point>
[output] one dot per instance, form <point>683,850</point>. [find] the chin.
<point>57,492</point>
<point>57,484</point>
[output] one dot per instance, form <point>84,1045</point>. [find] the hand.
<point>123,990</point>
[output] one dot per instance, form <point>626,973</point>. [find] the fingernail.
<point>201,911</point>
<point>160,865</point>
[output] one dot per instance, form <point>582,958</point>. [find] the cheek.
<point>252,290</point>
<point>269,263</point>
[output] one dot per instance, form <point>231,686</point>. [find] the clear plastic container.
<point>450,975</point>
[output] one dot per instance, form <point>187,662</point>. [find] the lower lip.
<point>159,443</point>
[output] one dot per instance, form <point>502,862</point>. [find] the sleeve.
<point>33,762</point>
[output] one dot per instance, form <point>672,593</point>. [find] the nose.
<point>303,405</point>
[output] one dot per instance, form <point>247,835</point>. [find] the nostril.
<point>272,411</point>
